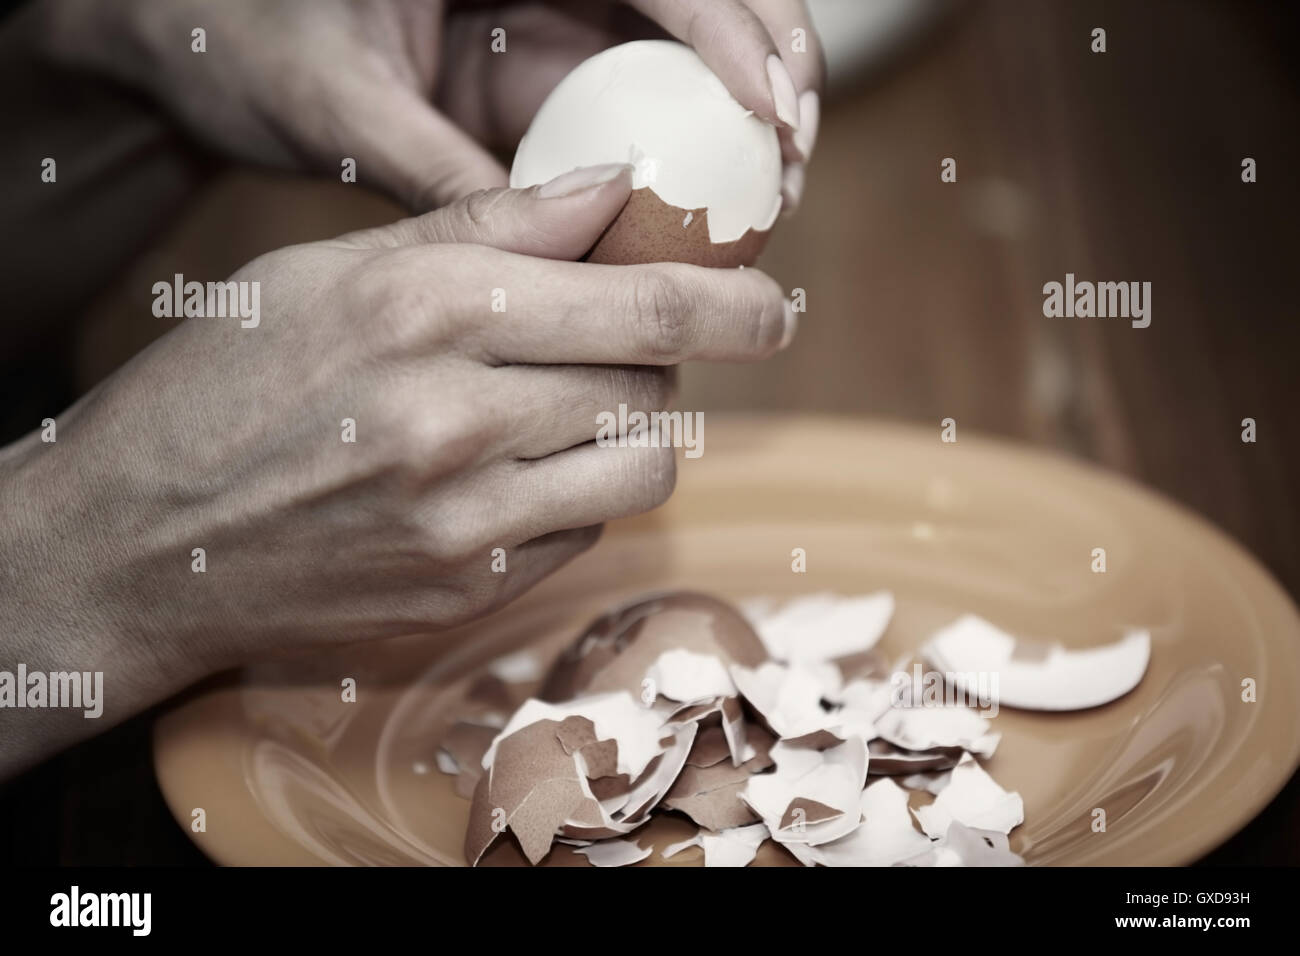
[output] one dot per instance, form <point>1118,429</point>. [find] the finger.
<point>527,564</point>
<point>796,39</point>
<point>415,153</point>
<point>561,219</point>
<point>557,407</point>
<point>591,484</point>
<point>495,97</point>
<point>792,179</point>
<point>735,44</point>
<point>791,27</point>
<point>477,587</point>
<point>509,501</point>
<point>658,314</point>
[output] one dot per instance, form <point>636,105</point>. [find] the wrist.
<point>43,612</point>
<point>68,601</point>
<point>69,667</point>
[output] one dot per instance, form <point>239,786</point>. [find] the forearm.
<point>71,664</point>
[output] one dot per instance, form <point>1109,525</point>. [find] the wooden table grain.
<point>925,299</point>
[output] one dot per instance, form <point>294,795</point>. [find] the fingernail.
<point>791,186</point>
<point>810,109</point>
<point>791,325</point>
<point>784,99</point>
<point>575,181</point>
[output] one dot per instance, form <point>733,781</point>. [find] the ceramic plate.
<point>287,773</point>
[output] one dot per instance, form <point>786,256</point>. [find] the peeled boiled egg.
<point>706,172</point>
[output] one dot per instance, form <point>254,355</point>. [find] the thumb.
<point>561,219</point>
<point>415,153</point>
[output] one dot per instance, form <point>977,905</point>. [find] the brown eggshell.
<point>650,230</point>
<point>614,652</point>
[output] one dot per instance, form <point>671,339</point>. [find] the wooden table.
<point>925,299</point>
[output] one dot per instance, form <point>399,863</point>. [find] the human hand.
<point>411,89</point>
<point>473,431</point>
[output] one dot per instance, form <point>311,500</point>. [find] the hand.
<point>474,431</point>
<point>301,84</point>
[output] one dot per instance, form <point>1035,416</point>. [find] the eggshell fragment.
<point>832,779</point>
<point>590,769</point>
<point>822,627</point>
<point>935,728</point>
<point>974,798</point>
<point>967,846</point>
<point>710,747</point>
<point>518,668</point>
<point>658,779</point>
<point>614,852</point>
<point>733,847</point>
<point>887,759</point>
<point>464,745</point>
<point>801,702</point>
<point>1037,677</point>
<point>615,716</point>
<point>619,648</point>
<point>931,781</point>
<point>711,795</point>
<point>885,836</point>
<point>532,785</point>
<point>684,675</point>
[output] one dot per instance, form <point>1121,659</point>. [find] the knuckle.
<point>479,209</point>
<point>421,448</point>
<point>451,540</point>
<point>404,318</point>
<point>482,424</point>
<point>368,284</point>
<point>447,535</point>
<point>402,310</point>
<point>659,309</point>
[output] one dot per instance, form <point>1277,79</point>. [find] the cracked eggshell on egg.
<point>706,180</point>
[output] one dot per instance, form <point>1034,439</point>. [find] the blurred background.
<point>924,298</point>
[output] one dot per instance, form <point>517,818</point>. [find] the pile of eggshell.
<point>775,722</point>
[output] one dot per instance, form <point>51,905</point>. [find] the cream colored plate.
<point>289,774</point>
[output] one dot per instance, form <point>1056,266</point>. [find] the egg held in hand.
<point>706,172</point>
